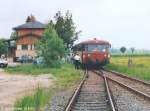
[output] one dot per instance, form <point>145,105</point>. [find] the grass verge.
<point>140,68</point>
<point>66,76</point>
<point>33,102</point>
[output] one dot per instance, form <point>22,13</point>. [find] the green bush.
<point>51,47</point>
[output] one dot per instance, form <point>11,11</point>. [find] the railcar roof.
<point>95,41</point>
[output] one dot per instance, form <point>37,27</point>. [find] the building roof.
<point>31,23</point>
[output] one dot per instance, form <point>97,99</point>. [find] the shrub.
<point>51,47</point>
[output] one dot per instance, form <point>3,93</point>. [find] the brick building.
<point>28,35</point>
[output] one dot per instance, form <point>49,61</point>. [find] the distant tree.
<point>123,49</point>
<point>132,49</point>
<point>3,47</point>
<point>13,35</point>
<point>51,47</point>
<point>66,29</point>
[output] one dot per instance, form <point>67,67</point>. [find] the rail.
<point>126,86</point>
<point>76,92</point>
<point>130,88</point>
<point>125,76</point>
<point>108,91</point>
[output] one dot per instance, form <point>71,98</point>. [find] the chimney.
<point>33,18</point>
<point>28,19</point>
<point>94,38</point>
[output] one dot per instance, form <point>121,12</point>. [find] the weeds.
<point>140,68</point>
<point>65,77</point>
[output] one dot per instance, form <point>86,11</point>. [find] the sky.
<point>121,22</point>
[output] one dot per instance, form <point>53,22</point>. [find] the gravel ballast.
<point>60,100</point>
<point>126,100</point>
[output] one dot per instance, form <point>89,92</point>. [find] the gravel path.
<point>127,101</point>
<point>14,87</point>
<point>60,100</point>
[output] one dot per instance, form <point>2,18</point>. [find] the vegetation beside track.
<point>140,68</point>
<point>66,76</point>
<point>130,55</point>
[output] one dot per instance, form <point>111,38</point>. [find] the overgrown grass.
<point>33,102</point>
<point>131,55</point>
<point>140,68</point>
<point>29,69</point>
<point>66,76</point>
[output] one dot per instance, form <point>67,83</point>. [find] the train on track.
<point>94,53</point>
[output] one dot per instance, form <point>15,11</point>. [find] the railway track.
<point>91,95</point>
<point>127,98</point>
<point>140,87</point>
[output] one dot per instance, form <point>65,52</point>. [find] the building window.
<point>18,47</point>
<point>32,47</point>
<point>29,47</point>
<point>24,47</point>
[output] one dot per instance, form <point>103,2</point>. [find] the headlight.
<point>83,56</point>
<point>108,55</point>
<point>89,55</point>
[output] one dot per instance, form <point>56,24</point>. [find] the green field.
<point>140,68</point>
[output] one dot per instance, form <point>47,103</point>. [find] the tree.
<point>13,35</point>
<point>123,49</point>
<point>66,29</point>
<point>51,47</point>
<point>3,47</point>
<point>132,49</point>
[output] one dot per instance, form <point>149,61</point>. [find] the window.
<point>24,47</point>
<point>97,47</point>
<point>29,47</point>
<point>32,47</point>
<point>18,47</point>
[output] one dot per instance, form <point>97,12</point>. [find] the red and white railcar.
<point>94,53</point>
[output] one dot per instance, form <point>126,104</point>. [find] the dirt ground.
<point>13,87</point>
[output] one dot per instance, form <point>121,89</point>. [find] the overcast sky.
<point>122,22</point>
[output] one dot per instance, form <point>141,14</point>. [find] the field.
<point>139,69</point>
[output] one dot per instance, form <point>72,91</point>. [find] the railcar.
<point>94,53</point>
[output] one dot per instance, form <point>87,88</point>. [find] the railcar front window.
<point>101,48</point>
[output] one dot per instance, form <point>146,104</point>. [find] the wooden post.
<point>130,64</point>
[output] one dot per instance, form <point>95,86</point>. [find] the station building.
<point>28,35</point>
